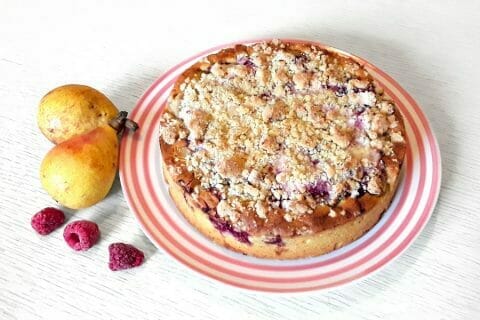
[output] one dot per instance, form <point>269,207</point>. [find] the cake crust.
<point>281,150</point>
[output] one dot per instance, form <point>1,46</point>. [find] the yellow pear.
<point>80,171</point>
<point>71,110</point>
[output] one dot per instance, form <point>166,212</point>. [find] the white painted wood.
<point>431,48</point>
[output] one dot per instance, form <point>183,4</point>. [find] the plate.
<point>147,196</point>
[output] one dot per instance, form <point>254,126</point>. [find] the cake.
<point>281,150</point>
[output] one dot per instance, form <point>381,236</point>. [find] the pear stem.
<point>120,122</point>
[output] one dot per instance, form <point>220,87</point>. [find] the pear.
<point>71,110</point>
<point>80,171</point>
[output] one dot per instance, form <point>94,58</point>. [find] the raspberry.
<point>321,189</point>
<point>124,256</point>
<point>81,235</point>
<point>223,226</point>
<point>47,220</point>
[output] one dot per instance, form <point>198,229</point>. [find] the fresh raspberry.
<point>124,256</point>
<point>47,220</point>
<point>81,235</point>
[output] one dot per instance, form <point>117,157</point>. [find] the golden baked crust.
<point>281,150</point>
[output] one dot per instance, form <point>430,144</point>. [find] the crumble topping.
<point>285,128</point>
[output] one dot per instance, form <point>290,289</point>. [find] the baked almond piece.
<point>281,150</point>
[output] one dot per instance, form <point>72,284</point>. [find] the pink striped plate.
<point>148,198</point>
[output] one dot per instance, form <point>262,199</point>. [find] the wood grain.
<point>431,48</point>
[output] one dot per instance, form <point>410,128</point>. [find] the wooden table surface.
<point>432,48</point>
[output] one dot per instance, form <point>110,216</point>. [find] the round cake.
<point>281,150</point>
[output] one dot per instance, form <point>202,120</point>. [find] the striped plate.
<point>148,198</point>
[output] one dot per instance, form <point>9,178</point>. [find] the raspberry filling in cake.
<point>277,140</point>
